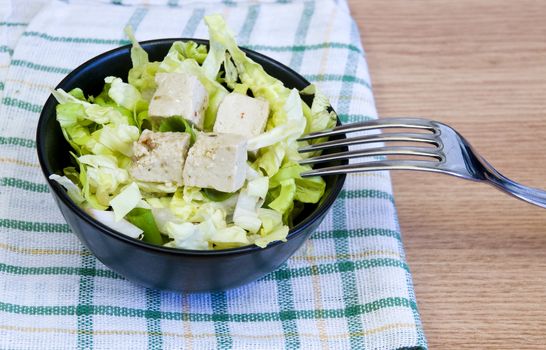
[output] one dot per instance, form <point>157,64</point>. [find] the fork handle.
<point>528,194</point>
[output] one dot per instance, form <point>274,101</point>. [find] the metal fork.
<point>446,152</point>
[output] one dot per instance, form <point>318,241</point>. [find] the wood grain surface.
<point>478,256</point>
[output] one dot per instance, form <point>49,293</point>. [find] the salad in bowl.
<point>197,151</point>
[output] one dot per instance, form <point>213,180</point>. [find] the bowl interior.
<point>53,150</point>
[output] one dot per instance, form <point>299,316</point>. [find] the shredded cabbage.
<point>103,129</point>
<point>125,201</point>
<point>125,95</point>
<point>72,190</point>
<point>123,226</point>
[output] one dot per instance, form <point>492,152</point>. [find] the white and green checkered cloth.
<point>349,287</point>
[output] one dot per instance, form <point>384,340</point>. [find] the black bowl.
<point>156,266</point>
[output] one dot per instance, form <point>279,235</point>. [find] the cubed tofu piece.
<point>241,114</point>
<point>160,157</point>
<point>179,94</point>
<point>217,161</point>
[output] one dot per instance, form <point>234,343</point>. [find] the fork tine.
<point>375,166</point>
<point>413,123</point>
<point>378,151</point>
<point>384,137</point>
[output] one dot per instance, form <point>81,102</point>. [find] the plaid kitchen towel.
<point>349,287</point>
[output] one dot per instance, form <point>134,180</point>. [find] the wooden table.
<point>478,257</point>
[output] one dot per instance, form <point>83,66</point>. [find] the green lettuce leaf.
<point>78,93</point>
<point>285,198</point>
<point>214,60</point>
<point>103,176</point>
<point>122,226</point>
<point>125,201</point>
<point>125,95</point>
<point>245,214</point>
<point>71,116</point>
<point>278,234</point>
<point>250,73</point>
<point>116,139</point>
<point>320,116</point>
<point>187,236</point>
<point>308,190</point>
<point>229,237</point>
<point>216,196</point>
<point>157,187</point>
<point>270,158</point>
<point>138,55</point>
<point>231,75</point>
<point>72,190</point>
<point>271,220</point>
<point>142,75</point>
<point>189,50</point>
<point>144,219</point>
<point>177,124</point>
<point>91,199</point>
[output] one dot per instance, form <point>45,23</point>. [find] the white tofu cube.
<point>242,115</point>
<point>179,94</point>
<point>160,156</point>
<point>217,161</point>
